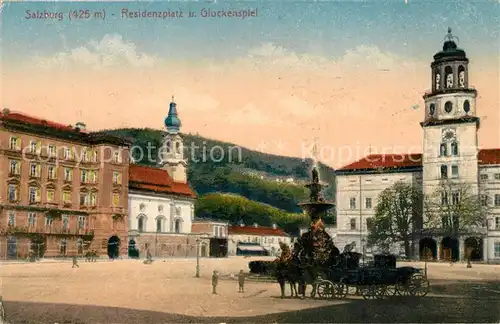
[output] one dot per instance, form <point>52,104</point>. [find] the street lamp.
<point>363,241</point>
<point>197,258</point>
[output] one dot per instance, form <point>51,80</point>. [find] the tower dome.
<point>450,49</point>
<point>172,122</point>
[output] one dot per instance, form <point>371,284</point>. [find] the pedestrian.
<point>75,262</point>
<point>241,281</point>
<point>215,281</point>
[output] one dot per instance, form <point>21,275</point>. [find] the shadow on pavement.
<point>449,303</point>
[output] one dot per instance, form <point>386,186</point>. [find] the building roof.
<point>388,162</point>
<point>21,121</point>
<point>252,230</point>
<point>146,178</point>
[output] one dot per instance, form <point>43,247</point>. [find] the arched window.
<point>437,80</point>
<point>140,224</point>
<point>159,223</point>
<point>448,107</point>
<point>178,147</point>
<point>454,148</point>
<point>168,146</point>
<point>448,72</point>
<point>432,109</point>
<point>461,76</point>
<point>466,106</point>
<point>353,223</point>
<point>177,226</point>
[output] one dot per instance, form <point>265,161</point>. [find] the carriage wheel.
<point>419,285</point>
<point>390,291</point>
<point>380,291</point>
<point>340,290</point>
<point>403,288</point>
<point>368,292</point>
<point>325,289</point>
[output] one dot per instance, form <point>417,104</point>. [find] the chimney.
<point>275,226</point>
<point>80,125</point>
<point>255,225</point>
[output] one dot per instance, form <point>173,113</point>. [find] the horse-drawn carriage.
<point>378,281</point>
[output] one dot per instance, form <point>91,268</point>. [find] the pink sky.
<point>269,97</point>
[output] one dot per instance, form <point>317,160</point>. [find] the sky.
<point>349,73</point>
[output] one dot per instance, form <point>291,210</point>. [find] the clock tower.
<point>450,141</point>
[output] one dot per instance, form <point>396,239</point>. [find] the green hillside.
<point>240,170</point>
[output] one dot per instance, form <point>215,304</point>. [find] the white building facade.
<point>450,152</point>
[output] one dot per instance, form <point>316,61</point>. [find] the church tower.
<point>172,150</point>
<point>450,141</point>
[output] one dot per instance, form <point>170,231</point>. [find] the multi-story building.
<point>450,154</point>
<point>247,239</point>
<point>216,232</point>
<point>63,190</point>
<point>161,203</point>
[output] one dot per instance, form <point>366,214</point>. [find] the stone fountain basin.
<point>316,208</point>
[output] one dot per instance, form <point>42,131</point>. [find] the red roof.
<point>19,117</point>
<point>157,180</point>
<point>395,161</point>
<point>376,161</point>
<point>252,230</point>
<point>489,156</point>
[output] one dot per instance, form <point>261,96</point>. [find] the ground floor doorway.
<point>113,247</point>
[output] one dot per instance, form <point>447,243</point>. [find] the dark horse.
<point>287,272</point>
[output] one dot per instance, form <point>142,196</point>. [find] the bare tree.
<point>398,216</point>
<point>455,208</point>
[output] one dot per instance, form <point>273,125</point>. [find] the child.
<point>75,262</point>
<point>241,281</point>
<point>215,280</point>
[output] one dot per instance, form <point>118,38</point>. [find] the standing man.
<point>75,262</point>
<point>215,281</point>
<point>241,281</point>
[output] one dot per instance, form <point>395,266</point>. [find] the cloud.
<point>112,50</point>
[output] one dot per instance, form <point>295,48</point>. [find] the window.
<point>454,148</point>
<point>12,193</point>
<point>116,157</point>
<point>93,199</point>
<point>484,200</point>
<point>353,224</point>
<point>48,221</point>
<point>177,226</point>
<point>497,200</point>
<point>116,200</point>
<point>12,218</point>
<point>84,176</point>
<point>444,172</point>
<point>51,172</point>
<point>158,224</point>
<point>31,219</point>
<point>33,147</point>
<point>84,199</point>
<point>497,176</point>
<point>168,146</point>
<point>117,177</point>
<point>50,195</point>
<point>497,249</point>
<point>455,198</point>
<point>14,167</point>
<point>94,156</point>
<point>497,222</point>
<point>466,106</point>
<point>454,171</point>
<point>93,176</point>
<point>68,153</point>
<point>140,224</point>
<point>368,203</point>
<point>35,170</point>
<point>142,207</point>
<point>369,223</point>
<point>443,149</point>
<point>66,197</point>
<point>352,203</point>
<point>81,221</point>
<point>52,151</point>
<point>178,147</point>
<point>444,198</point>
<point>85,155</point>
<point>34,194</point>
<point>65,222</point>
<point>15,143</point>
<point>448,107</point>
<point>483,177</point>
<point>68,174</point>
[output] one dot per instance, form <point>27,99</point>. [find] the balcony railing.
<point>49,230</point>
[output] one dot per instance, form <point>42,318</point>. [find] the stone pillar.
<point>416,250</point>
<point>461,248</point>
<point>439,249</point>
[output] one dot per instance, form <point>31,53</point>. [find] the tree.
<point>455,208</point>
<point>398,215</point>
